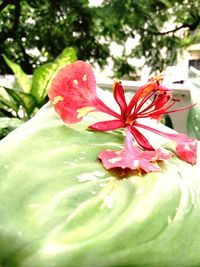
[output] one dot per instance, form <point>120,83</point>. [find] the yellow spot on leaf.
<point>75,81</point>
<point>84,78</point>
<point>57,99</point>
<point>83,111</point>
<point>113,160</point>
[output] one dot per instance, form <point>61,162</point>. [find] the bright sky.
<point>95,2</point>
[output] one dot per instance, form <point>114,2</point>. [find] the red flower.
<point>132,157</point>
<point>73,94</point>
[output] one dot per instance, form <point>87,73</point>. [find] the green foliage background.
<point>36,31</point>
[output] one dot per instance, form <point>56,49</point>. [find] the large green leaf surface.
<point>60,208</point>
<point>193,121</point>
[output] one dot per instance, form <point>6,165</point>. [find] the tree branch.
<point>174,30</point>
<point>191,27</point>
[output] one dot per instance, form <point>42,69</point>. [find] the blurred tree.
<point>162,27</point>
<point>36,31</point>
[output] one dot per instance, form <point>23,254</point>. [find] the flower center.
<point>130,119</point>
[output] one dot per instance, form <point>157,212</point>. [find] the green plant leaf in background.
<point>60,207</point>
<point>7,102</point>
<point>26,101</point>
<point>166,120</point>
<point>7,125</point>
<point>23,81</point>
<point>43,75</point>
<point>193,120</point>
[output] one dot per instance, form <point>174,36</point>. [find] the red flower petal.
<point>73,93</point>
<point>141,140</point>
<point>145,91</point>
<point>105,126</point>
<point>141,92</point>
<point>186,147</point>
<point>119,96</point>
<point>162,89</point>
<point>132,157</point>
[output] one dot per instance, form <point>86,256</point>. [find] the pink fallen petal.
<point>186,147</point>
<point>132,157</point>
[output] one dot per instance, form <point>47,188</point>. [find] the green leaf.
<point>43,75</point>
<point>193,120</point>
<point>7,125</point>
<point>166,3</point>
<point>60,207</point>
<point>23,80</point>
<point>166,120</point>
<point>6,101</point>
<point>27,101</point>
